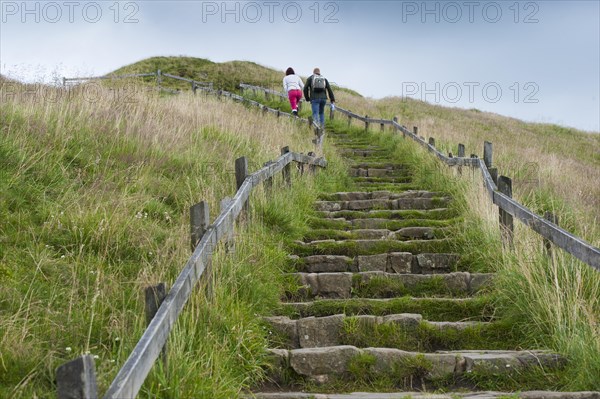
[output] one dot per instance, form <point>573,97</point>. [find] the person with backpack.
<point>316,90</point>
<point>293,85</point>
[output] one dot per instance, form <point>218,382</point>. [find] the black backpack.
<point>319,83</point>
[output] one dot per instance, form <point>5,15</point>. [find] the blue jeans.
<point>318,110</point>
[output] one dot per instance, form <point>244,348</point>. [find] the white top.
<point>292,82</point>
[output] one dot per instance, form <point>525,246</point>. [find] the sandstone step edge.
<point>343,285</point>
<point>318,332</point>
<point>425,395</point>
<point>392,262</point>
<point>324,364</point>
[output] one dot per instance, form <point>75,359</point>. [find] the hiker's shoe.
<point>294,112</point>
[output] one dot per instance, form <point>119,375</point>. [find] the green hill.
<point>223,75</point>
<point>94,206</point>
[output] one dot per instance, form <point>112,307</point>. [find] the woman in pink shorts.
<point>293,85</point>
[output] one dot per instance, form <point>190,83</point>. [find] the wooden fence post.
<point>547,243</point>
<point>300,167</point>
<point>268,181</point>
<point>154,296</point>
<point>349,120</point>
<point>331,113</point>
<point>77,379</point>
<point>199,221</point>
<point>287,176</point>
<point>241,172</point>
<point>416,131</point>
<point>432,142</point>
<point>487,154</point>
<point>506,219</point>
<point>229,241</point>
<point>494,175</point>
<point>461,154</point>
<point>158,78</point>
<point>312,168</point>
<point>366,123</point>
<point>381,127</point>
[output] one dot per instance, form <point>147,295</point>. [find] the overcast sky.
<point>533,60</point>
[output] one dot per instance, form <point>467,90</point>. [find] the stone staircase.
<point>379,303</point>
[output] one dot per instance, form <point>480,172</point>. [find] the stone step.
<point>364,153</point>
<point>378,172</point>
<point>479,308</point>
<point>377,223</point>
<point>401,214</point>
<point>368,247</point>
<point>380,165</point>
<point>328,364</point>
<point>426,395</point>
<point>406,331</point>
<point>365,157</point>
<point>395,262</point>
<point>401,203</point>
<point>384,285</point>
<point>403,234</point>
<point>390,179</point>
<point>375,186</point>
<point>383,194</point>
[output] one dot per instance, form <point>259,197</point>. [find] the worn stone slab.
<point>287,327</point>
<point>316,332</point>
<point>420,203</point>
<point>374,223</point>
<point>326,263</point>
<point>406,320</point>
<point>368,204</point>
<point>399,262</point>
<point>375,172</point>
<point>330,361</point>
<point>334,285</point>
<point>372,263</point>
<point>436,262</point>
<point>457,282</point>
<point>373,234</point>
<point>415,233</point>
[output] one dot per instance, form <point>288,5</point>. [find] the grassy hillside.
<point>224,75</point>
<point>94,207</point>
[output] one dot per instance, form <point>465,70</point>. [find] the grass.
<point>427,338</point>
<point>95,195</point>
<point>95,199</point>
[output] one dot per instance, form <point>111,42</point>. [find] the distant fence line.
<point>77,379</point>
<point>158,75</point>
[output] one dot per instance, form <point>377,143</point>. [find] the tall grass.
<point>552,302</point>
<point>94,207</point>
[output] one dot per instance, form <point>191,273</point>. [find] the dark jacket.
<point>310,95</point>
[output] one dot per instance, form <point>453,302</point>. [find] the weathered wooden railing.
<point>76,379</point>
<point>159,75</point>
<point>268,92</point>
<point>500,192</point>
